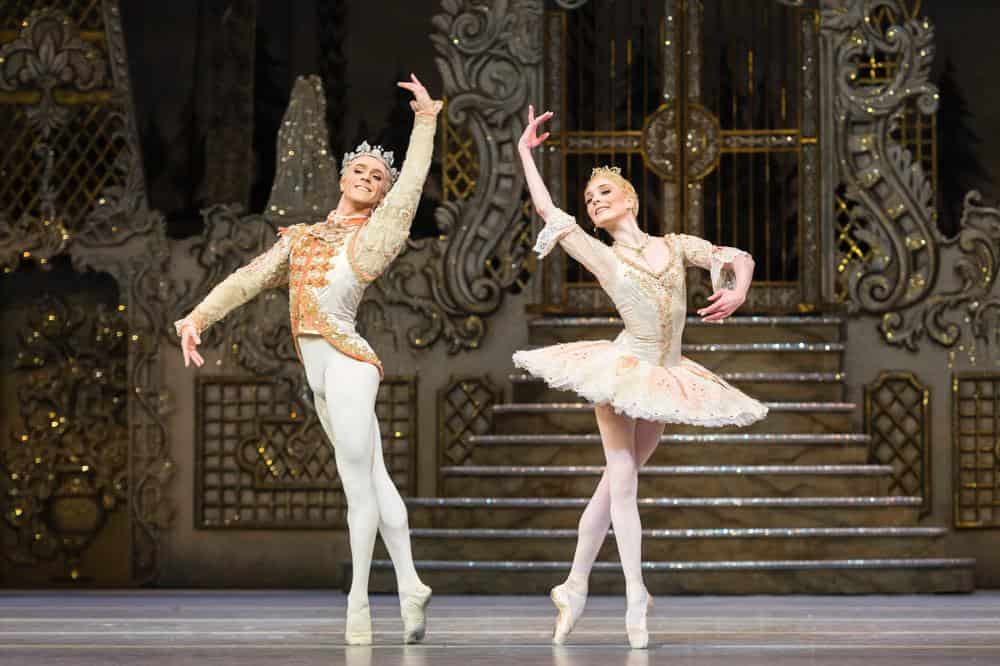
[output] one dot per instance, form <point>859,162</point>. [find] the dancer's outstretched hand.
<point>529,138</point>
<point>422,102</point>
<point>189,345</point>
<point>722,304</point>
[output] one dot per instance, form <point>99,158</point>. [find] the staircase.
<point>788,505</point>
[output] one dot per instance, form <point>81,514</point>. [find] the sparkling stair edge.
<point>670,470</point>
<point>689,533</point>
<point>676,502</point>
<point>574,407</point>
<point>708,438</point>
<point>720,565</point>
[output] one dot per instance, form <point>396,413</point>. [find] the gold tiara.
<point>606,171</point>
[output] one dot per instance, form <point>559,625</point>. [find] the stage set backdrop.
<point>147,150</point>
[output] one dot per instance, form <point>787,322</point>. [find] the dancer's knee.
<point>623,477</point>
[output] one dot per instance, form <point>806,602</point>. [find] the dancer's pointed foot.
<point>413,607</point>
<point>635,620</point>
<point>359,624</point>
<point>570,602</point>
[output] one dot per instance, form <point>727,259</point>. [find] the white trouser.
<point>345,390</point>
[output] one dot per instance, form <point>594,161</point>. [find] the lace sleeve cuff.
<point>190,320</point>
<point>723,276</point>
<point>557,226</point>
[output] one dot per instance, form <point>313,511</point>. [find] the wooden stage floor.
<point>297,628</point>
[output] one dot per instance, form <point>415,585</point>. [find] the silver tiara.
<point>384,156</point>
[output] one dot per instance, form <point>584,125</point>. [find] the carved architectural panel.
<point>74,186</point>
<point>490,62</point>
<point>65,456</point>
<point>263,460</point>
<point>465,408</point>
<point>897,417</point>
<point>893,258</point>
<point>976,449</point>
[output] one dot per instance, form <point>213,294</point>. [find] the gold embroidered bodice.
<point>652,305</point>
<point>328,265</point>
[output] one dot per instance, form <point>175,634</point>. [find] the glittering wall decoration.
<point>897,416</point>
<point>464,408</point>
<point>73,193</point>
<point>65,453</point>
<point>263,460</point>
<point>975,440</point>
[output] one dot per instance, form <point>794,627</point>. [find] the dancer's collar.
<point>347,220</point>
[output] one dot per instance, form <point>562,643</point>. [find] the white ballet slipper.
<point>359,625</point>
<point>413,608</point>
<point>635,622</point>
<point>570,604</point>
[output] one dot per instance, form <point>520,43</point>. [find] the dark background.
<point>382,40</point>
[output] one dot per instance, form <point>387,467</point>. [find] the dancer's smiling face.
<point>365,181</point>
<point>608,203</point>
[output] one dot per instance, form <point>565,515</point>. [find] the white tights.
<point>628,444</point>
<point>344,390</point>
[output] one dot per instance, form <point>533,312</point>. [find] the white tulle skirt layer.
<point>608,372</point>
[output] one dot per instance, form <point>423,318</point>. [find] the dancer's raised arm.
<point>560,227</point>
<point>382,238</point>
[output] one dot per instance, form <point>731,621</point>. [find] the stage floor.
<point>302,628</point>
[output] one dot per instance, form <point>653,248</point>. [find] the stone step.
<point>668,512</point>
<point>685,544</point>
<point>667,577</point>
<point>768,386</point>
<point>671,480</point>
<point>553,330</point>
<point>676,449</point>
<point>578,418</point>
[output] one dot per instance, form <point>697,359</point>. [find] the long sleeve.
<point>379,241</point>
<point>561,228</point>
<point>717,259</point>
<point>266,271</point>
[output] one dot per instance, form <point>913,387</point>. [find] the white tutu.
<point>603,371</point>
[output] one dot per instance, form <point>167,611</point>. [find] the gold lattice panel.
<point>897,417</point>
<point>83,129</point>
<point>264,463</point>
<point>88,14</point>
<point>459,161</point>
<point>917,132</point>
<point>86,151</point>
<point>464,409</point>
<point>396,407</point>
<point>976,449</point>
<point>850,248</point>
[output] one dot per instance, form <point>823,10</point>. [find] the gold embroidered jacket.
<point>328,265</point>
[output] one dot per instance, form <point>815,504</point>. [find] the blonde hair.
<point>614,174</point>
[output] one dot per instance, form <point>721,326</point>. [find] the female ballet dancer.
<point>638,382</point>
<point>327,266</point>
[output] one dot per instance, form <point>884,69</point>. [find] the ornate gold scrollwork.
<point>490,62</point>
<point>80,191</point>
<point>890,197</point>
<point>49,55</point>
<point>66,462</point>
<point>702,142</point>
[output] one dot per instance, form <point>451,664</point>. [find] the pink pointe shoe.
<point>570,604</point>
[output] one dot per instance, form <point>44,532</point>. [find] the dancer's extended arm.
<point>377,243</point>
<point>560,227</point>
<point>266,271</point>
